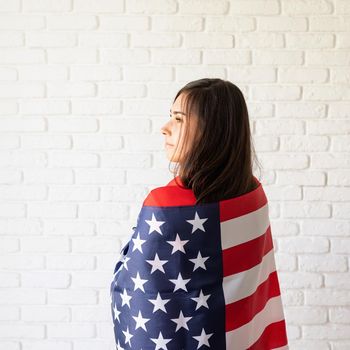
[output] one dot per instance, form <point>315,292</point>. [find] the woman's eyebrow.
<point>178,112</point>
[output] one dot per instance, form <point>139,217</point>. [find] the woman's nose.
<point>164,130</point>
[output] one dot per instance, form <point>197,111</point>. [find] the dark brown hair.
<point>219,163</point>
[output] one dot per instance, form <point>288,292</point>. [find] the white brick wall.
<point>85,86</point>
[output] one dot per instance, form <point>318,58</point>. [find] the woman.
<point>199,270</point>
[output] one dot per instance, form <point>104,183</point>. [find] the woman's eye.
<point>178,119</point>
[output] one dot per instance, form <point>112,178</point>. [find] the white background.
<point>85,86</point>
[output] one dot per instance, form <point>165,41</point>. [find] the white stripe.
<point>246,335</point>
<point>244,228</point>
<point>245,283</point>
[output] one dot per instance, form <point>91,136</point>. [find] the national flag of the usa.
<point>198,276</point>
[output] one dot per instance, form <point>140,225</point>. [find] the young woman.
<point>211,142</point>
<point>199,270</point>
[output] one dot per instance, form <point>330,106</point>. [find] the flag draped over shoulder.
<point>198,276</point>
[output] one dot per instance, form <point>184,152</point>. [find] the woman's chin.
<point>170,156</point>
<point>171,159</point>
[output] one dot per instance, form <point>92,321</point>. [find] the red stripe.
<point>274,336</point>
<point>244,204</point>
<point>244,310</point>
<point>240,258</point>
<point>170,196</point>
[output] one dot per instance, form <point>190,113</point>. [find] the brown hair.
<point>219,163</point>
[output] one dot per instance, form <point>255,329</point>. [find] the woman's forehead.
<point>179,105</point>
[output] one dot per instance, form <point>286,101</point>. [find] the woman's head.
<point>211,140</point>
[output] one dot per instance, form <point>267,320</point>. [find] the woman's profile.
<point>199,269</point>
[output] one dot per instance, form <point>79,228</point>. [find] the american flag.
<point>198,276</point>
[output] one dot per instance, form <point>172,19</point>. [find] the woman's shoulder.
<point>172,194</point>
